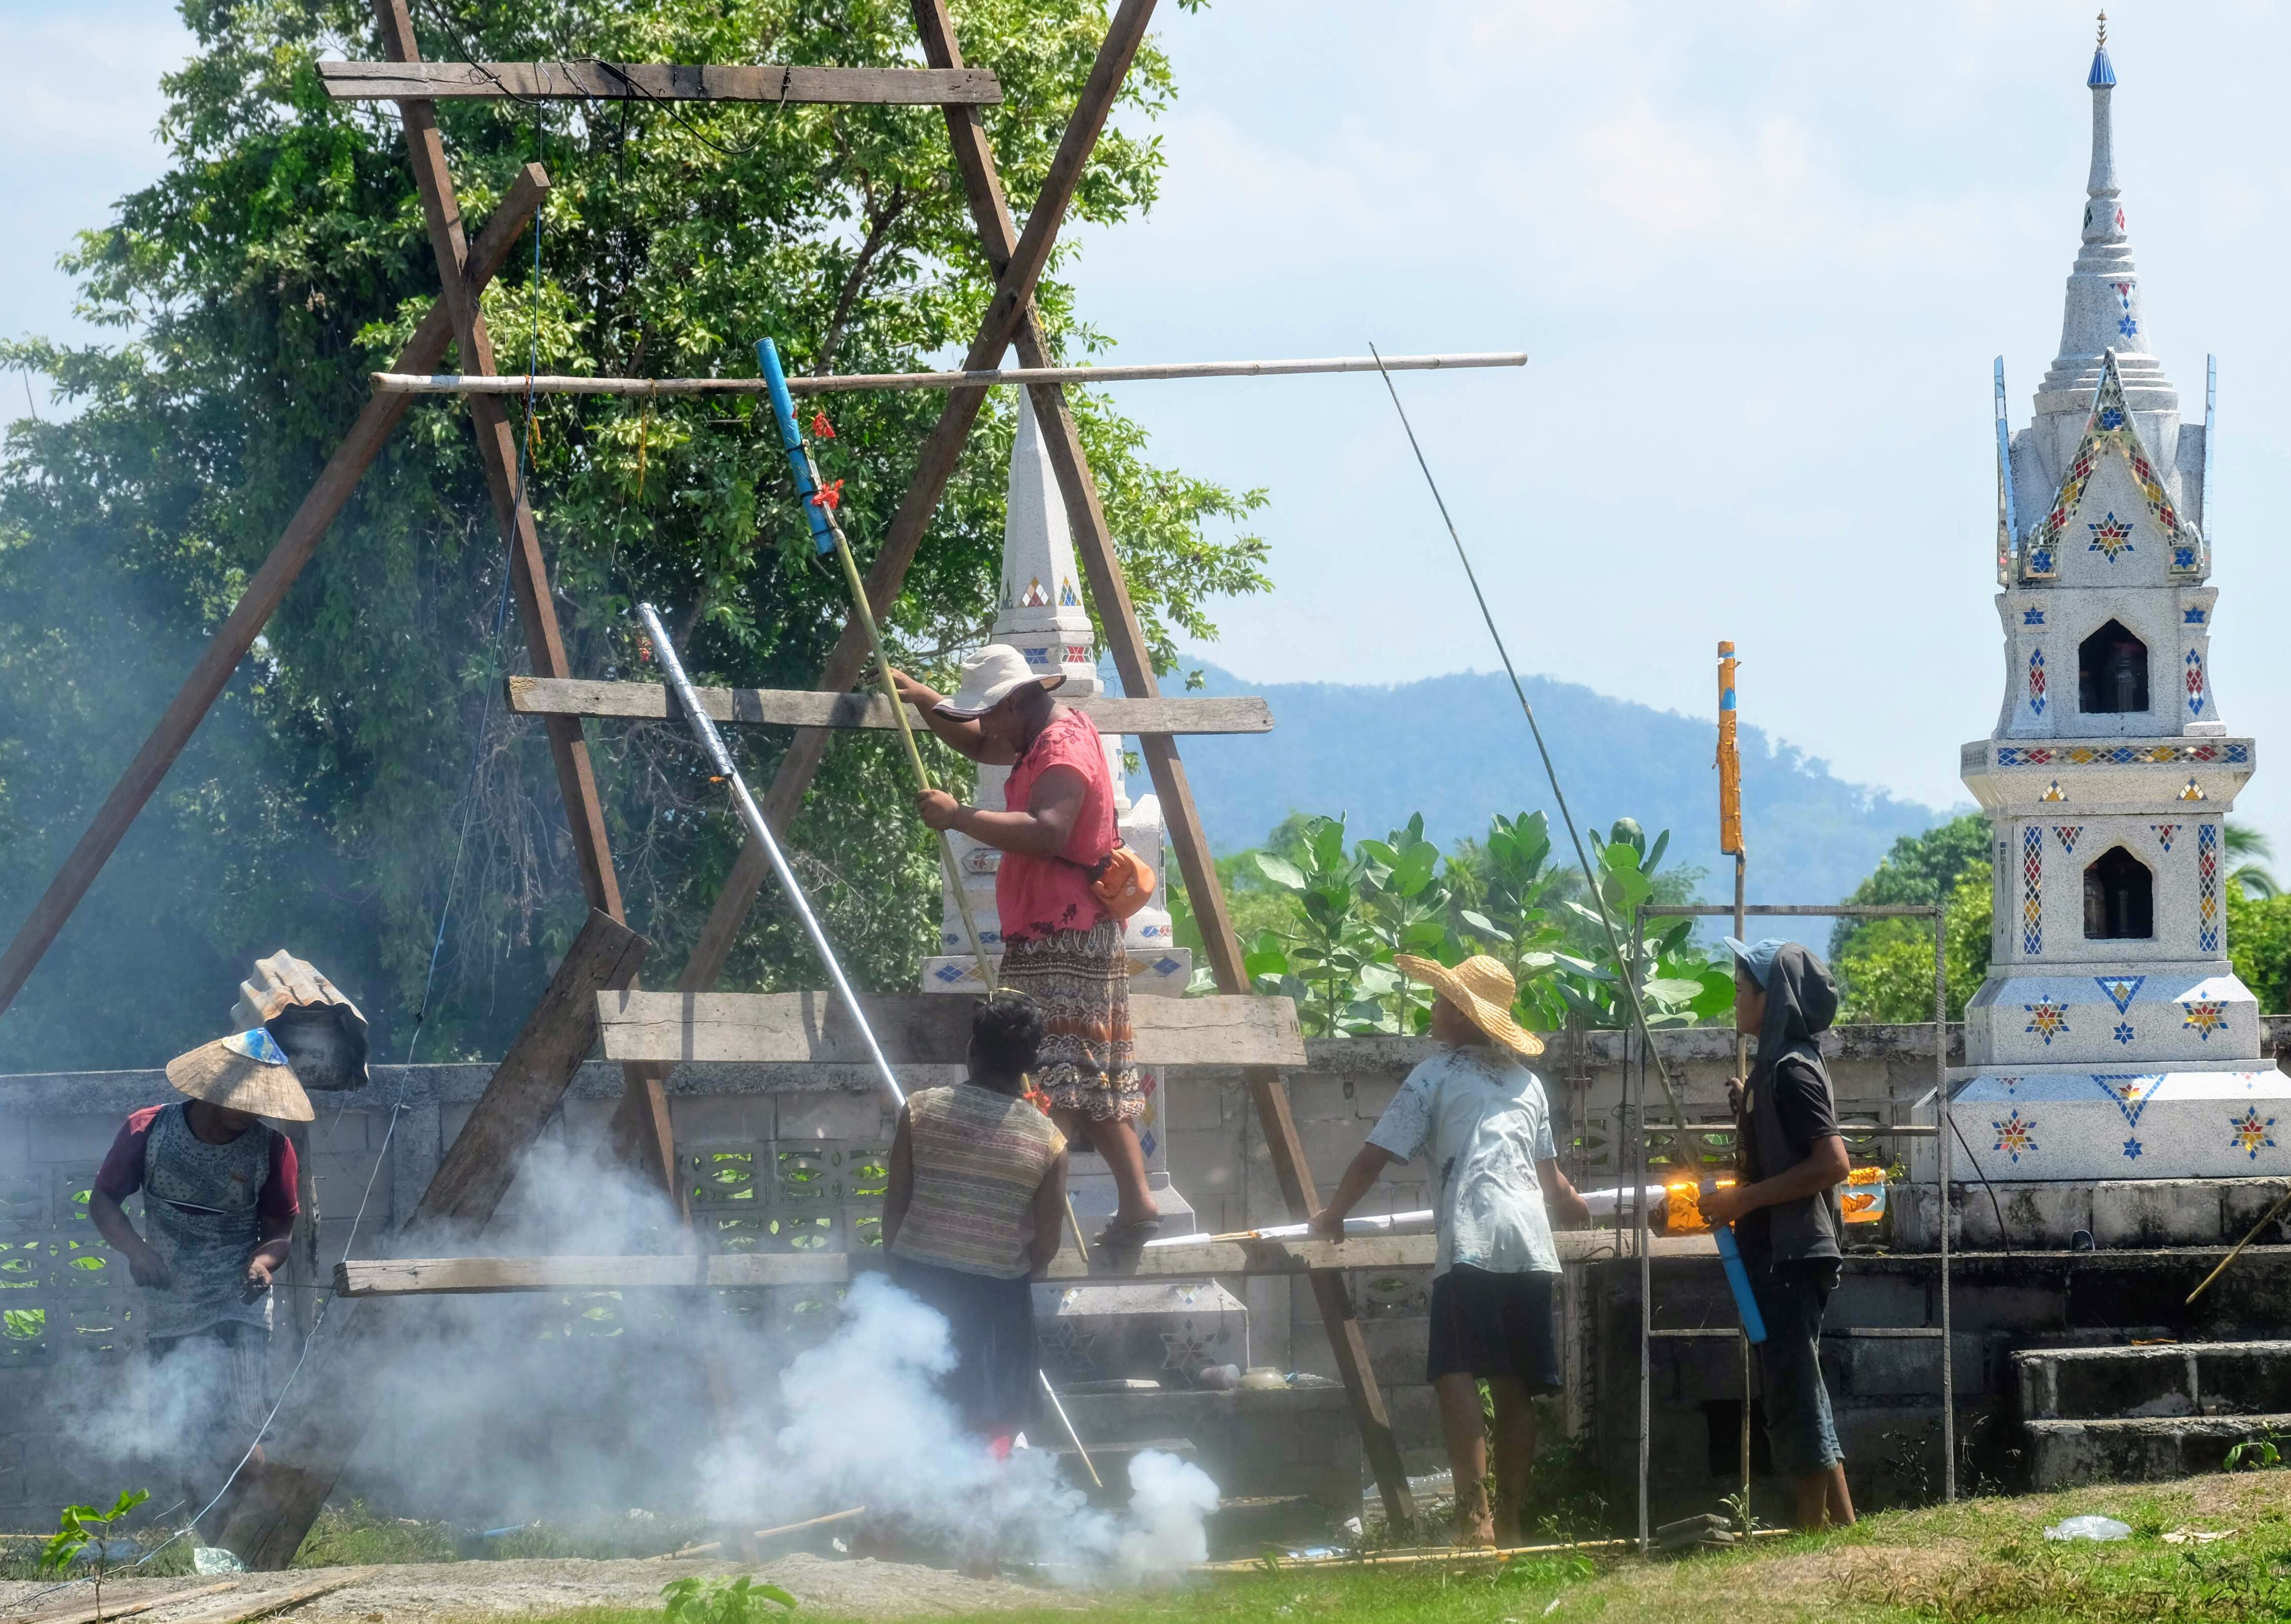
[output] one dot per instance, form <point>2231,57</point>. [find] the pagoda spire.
<point>2103,309</point>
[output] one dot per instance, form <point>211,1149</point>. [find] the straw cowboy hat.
<point>991,676</point>
<point>1483,989</point>
<point>247,1072</point>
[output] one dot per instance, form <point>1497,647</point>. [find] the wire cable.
<point>1628,968</point>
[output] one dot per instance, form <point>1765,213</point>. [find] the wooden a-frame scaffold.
<point>315,1429</point>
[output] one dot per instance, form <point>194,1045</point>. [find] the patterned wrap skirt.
<point>1079,980</point>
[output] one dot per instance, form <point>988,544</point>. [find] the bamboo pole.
<point>460,383</point>
<point>2238,1250</point>
<point>820,508</point>
<point>789,1528</point>
<point>1729,841</point>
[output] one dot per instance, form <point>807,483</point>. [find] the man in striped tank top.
<point>976,1194</point>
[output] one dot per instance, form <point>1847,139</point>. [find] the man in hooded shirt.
<point>1785,1210</point>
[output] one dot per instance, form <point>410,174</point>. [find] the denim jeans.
<point>1791,1296</point>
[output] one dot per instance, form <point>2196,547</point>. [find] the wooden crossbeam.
<point>922,1029</point>
<point>749,1271</point>
<point>658,81</point>
<point>834,384</point>
<point>810,708</point>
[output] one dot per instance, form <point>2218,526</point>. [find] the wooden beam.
<point>321,1420</point>
<point>88,1612</point>
<point>532,1078</point>
<point>1017,275</point>
<point>262,1604</point>
<point>639,1129</point>
<point>1176,1260</point>
<point>1093,546</point>
<point>834,384</point>
<point>264,593</point>
<point>810,708</point>
<point>924,1029</point>
<point>574,81</point>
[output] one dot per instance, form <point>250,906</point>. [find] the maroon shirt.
<point>121,1173</point>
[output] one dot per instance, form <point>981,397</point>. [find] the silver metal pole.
<point>1067,1421</point>
<point>761,832</point>
<point>1641,1039</point>
<point>1944,1122</point>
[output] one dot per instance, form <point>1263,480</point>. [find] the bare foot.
<point>1475,1527</point>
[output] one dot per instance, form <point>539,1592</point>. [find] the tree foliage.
<point>360,770</point>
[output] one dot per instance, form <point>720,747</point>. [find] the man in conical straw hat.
<point>1483,1118</point>
<point>218,1208</point>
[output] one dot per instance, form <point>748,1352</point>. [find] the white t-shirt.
<point>1486,1121</point>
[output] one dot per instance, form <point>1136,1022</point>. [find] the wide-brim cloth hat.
<point>1483,989</point>
<point>992,675</point>
<point>247,1072</point>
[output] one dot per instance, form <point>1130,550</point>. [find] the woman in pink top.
<point>1060,946</point>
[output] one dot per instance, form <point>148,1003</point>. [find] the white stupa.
<point>2112,1040</point>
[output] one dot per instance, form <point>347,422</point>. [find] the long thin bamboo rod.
<point>462,384</point>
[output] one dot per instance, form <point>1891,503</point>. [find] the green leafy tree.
<point>1887,967</point>
<point>80,1536</point>
<point>2259,946</point>
<point>1920,868</point>
<point>2247,850</point>
<point>282,257</point>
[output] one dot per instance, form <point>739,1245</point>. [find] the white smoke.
<point>855,1420</point>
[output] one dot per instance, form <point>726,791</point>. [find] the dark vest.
<point>1813,1225</point>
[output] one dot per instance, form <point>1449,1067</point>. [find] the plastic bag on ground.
<point>2089,1528</point>
<point>214,1559</point>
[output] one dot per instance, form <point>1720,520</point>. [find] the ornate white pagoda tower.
<point>2112,1040</point>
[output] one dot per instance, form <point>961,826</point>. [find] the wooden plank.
<point>264,1603</point>
<point>86,1613</point>
<point>810,708</point>
<point>574,81</point>
<point>816,1028</point>
<point>264,593</point>
<point>1179,1261</point>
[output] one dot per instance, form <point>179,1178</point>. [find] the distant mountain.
<point>1457,749</point>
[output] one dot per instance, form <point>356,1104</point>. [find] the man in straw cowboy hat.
<point>218,1208</point>
<point>1487,1124</point>
<point>1061,945</point>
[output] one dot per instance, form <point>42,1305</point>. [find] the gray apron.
<point>206,1250</point>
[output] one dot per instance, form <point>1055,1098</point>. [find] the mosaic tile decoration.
<point>2231,751</point>
<point>2130,1094</point>
<point>2251,1134</point>
<point>1068,598</point>
<point>2208,902</point>
<point>2036,681</point>
<point>2193,791</point>
<point>2012,1134</point>
<point>2121,990</point>
<point>2195,683</point>
<point>2110,429</point>
<point>2127,326</point>
<point>2166,833</point>
<point>2066,834</point>
<point>2205,1017</point>
<point>2111,538</point>
<point>2047,1020</point>
<point>2053,791</point>
<point>2124,1032</point>
<point>2032,618</point>
<point>2191,617</point>
<point>2032,891</point>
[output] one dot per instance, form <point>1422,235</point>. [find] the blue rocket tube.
<point>767,357</point>
<point>1754,1324</point>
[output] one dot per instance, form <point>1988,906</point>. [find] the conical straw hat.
<point>1483,989</point>
<point>247,1072</point>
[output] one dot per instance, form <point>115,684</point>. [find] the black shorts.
<point>1486,1324</point>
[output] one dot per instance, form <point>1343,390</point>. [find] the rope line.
<point>1627,966</point>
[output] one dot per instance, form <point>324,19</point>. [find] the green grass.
<point>1981,1562</point>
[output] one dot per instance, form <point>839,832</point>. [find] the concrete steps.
<point>2134,1414</point>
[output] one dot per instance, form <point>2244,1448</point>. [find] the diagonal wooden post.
<point>536,610</point>
<point>1126,640</point>
<point>264,593</point>
<point>1018,268</point>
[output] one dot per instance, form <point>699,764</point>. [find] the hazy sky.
<point>1761,254</point>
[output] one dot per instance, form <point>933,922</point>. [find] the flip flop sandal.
<point>1120,1237</point>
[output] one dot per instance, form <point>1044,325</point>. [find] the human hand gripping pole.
<point>712,741</point>
<point>827,536</point>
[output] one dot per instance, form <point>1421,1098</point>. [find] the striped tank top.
<point>979,1156</point>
